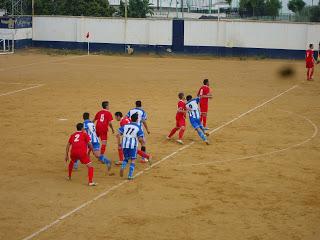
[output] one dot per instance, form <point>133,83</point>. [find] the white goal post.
<point>6,43</point>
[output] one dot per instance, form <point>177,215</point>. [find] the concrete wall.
<point>103,30</point>
<point>226,37</point>
<point>251,34</point>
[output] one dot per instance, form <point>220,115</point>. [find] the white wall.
<point>225,33</point>
<point>103,30</point>
<point>251,34</point>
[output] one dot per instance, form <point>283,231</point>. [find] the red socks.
<point>90,174</point>
<point>181,132</point>
<point>120,152</point>
<point>103,149</point>
<point>173,131</point>
<point>310,73</point>
<point>204,121</point>
<point>70,168</point>
<point>143,154</point>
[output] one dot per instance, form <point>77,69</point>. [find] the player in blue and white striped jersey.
<point>91,131</point>
<point>131,134</point>
<point>142,120</point>
<point>192,106</point>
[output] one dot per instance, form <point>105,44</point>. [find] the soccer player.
<point>131,133</point>
<point>142,120</point>
<point>310,61</point>
<point>180,119</point>
<point>104,121</point>
<point>79,142</point>
<point>194,117</point>
<point>91,131</point>
<point>204,93</point>
<point>124,121</point>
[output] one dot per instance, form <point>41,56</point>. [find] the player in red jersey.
<point>104,121</point>
<point>204,93</point>
<point>79,142</point>
<point>124,121</point>
<point>180,119</point>
<point>310,61</point>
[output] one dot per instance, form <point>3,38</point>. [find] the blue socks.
<point>131,170</point>
<point>124,164</point>
<point>104,159</point>
<point>201,134</point>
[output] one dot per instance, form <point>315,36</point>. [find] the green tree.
<point>6,4</point>
<point>273,7</point>
<point>230,1</point>
<point>136,8</point>
<point>252,8</point>
<point>315,13</point>
<point>96,8</point>
<point>296,5</point>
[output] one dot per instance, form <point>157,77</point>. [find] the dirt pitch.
<point>259,179</point>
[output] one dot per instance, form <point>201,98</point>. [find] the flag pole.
<point>88,43</point>
<point>88,47</point>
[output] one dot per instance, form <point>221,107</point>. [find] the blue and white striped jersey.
<point>91,131</point>
<point>193,108</point>
<point>142,115</point>
<point>130,134</point>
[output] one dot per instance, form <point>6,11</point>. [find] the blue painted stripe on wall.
<point>99,47</point>
<point>250,52</point>
<point>177,35</point>
<point>197,50</point>
<point>23,43</point>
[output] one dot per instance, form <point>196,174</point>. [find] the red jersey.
<point>181,106</point>
<point>124,121</point>
<point>204,90</point>
<point>309,55</point>
<point>103,118</point>
<point>79,142</point>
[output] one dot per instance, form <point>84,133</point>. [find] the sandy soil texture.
<point>258,180</point>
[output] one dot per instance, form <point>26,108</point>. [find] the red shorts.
<point>204,107</point>
<point>102,134</point>
<point>83,157</point>
<point>309,64</point>
<point>180,122</point>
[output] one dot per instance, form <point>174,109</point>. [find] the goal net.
<point>6,43</point>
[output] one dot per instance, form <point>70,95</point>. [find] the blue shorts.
<point>129,153</point>
<point>195,122</point>
<point>96,146</point>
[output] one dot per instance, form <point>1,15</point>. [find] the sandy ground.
<point>259,179</point>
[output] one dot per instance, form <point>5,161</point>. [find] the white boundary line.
<point>107,191</point>
<point>21,90</point>
<point>314,134</point>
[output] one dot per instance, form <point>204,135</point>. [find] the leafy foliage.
<point>315,13</point>
<point>296,5</point>
<point>136,8</point>
<point>273,7</point>
<point>6,4</point>
<point>96,8</point>
<point>252,8</point>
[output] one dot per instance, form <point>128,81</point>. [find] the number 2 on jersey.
<point>76,138</point>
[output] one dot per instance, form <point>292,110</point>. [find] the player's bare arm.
<point>119,140</point>
<point>111,127</point>
<point>146,126</point>
<point>67,152</point>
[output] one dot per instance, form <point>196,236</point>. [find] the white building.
<point>191,4</point>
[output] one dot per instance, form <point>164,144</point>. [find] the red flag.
<point>88,35</point>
